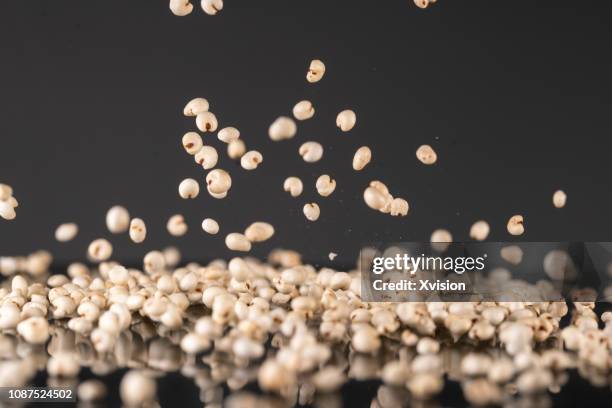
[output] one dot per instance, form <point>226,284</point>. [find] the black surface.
<point>176,390</point>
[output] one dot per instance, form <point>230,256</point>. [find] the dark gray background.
<point>514,96</point>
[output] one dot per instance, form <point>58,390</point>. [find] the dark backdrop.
<point>514,96</point>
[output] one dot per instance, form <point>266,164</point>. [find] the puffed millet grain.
<point>10,316</point>
<point>218,181</point>
<point>80,325</point>
<point>12,201</point>
<point>440,239</point>
<point>559,199</point>
<point>374,198</point>
<point>138,230</point>
<point>7,211</point>
<point>516,338</point>
<point>228,134</point>
<point>192,142</point>
<point>366,340</point>
<point>282,128</point>
<point>482,330</point>
<point>239,269</point>
<point>102,340</point>
<point>422,4</point>
<point>193,343</point>
<point>426,155</point>
<point>8,203</point>
<point>134,302</point>
<point>316,70</point>
<point>208,297</point>
<point>38,263</point>
<point>474,364</point>
<point>6,192</point>
<point>294,186</point>
<point>399,207</point>
<point>494,315</point>
<point>425,385</point>
<point>380,186</point>
<point>259,231</point>
<point>212,7</point>
<point>20,285</point>
<point>329,379</point>
<point>512,254</point>
<point>236,149</point>
<point>207,157</point>
<point>501,371</point>
<point>312,211</point>
<point>515,225</point>
<point>346,120</point>
<point>166,284</point>
<point>89,311</point>
<point>117,219</point>
<point>247,349</point>
<point>64,307</point>
<point>100,250</point>
<point>273,376</point>
<point>479,230</point>
<point>34,330</point>
<point>63,364</point>
<point>210,226</point>
<point>572,338</point>
<point>427,345</point>
<point>188,282</point>
<point>177,226</point>
<point>118,275</point>
<point>137,389</point>
<point>237,242</point>
<point>195,106</point>
<point>293,276</point>
<point>534,380</point>
<point>181,8</point>
<point>91,390</point>
<point>154,261</point>
<point>340,280</point>
<point>109,322</point>
<point>362,158</point>
<point>481,392</point>
<point>206,122</point>
<point>189,188</point>
<point>303,110</point>
<point>66,232</point>
<point>325,185</point>
<point>218,196</point>
<point>251,160</point>
<point>311,152</point>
